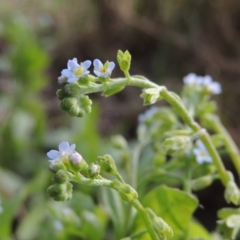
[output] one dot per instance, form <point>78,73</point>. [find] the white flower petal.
<point>200,144</point>
<point>215,88</point>
<point>71,149</point>
<point>72,64</point>
<point>97,73</point>
<point>53,154</point>
<point>73,79</point>
<point>97,64</point>
<point>206,80</point>
<point>111,66</point>
<point>66,73</point>
<point>63,146</point>
<point>190,78</point>
<point>86,64</point>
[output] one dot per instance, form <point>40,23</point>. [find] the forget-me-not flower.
<point>103,70</point>
<point>75,70</point>
<point>206,81</point>
<point>191,78</point>
<point>64,151</point>
<point>201,153</point>
<point>213,87</point>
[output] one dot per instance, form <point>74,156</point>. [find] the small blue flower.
<point>201,153</point>
<point>103,70</point>
<point>206,81</point>
<point>213,87</point>
<point>64,151</point>
<point>75,71</point>
<point>191,78</point>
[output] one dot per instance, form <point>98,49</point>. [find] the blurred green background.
<point>167,40</point>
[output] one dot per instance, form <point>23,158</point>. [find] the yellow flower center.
<point>103,70</point>
<point>203,154</point>
<point>78,71</point>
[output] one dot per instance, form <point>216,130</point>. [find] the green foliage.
<point>170,204</point>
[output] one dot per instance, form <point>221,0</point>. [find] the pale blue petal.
<point>196,151</point>
<point>190,78</point>
<point>111,66</point>
<point>53,154</point>
<point>72,64</point>
<point>63,146</point>
<point>200,160</point>
<point>206,80</point>
<point>71,149</point>
<point>216,88</point>
<point>66,73</point>
<point>97,64</point>
<point>73,79</point>
<point>208,159</point>
<point>86,64</point>
<point>200,145</point>
<point>97,73</point>
<point>199,80</point>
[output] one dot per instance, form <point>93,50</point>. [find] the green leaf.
<point>111,92</point>
<point>174,206</point>
<point>197,231</point>
<point>116,209</point>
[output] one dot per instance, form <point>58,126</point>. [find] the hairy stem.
<point>177,104</point>
<point>228,141</point>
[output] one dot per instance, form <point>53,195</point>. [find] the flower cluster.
<point>201,153</point>
<point>66,152</point>
<point>75,71</point>
<point>206,81</point>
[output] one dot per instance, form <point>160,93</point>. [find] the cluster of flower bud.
<point>61,190</point>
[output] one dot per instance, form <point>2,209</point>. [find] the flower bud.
<point>60,192</point>
<point>232,193</point>
<point>202,182</point>
<point>159,225</point>
<point>68,102</point>
<point>119,142</point>
<point>177,143</point>
<point>150,95</point>
<point>73,89</point>
<point>62,80</point>
<point>74,111</point>
<point>94,170</point>
<point>56,165</point>
<point>126,192</point>
<point>61,94</point>
<point>107,164</point>
<point>124,60</point>
<point>77,162</point>
<point>61,176</point>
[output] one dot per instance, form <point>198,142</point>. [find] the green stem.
<point>104,182</point>
<point>135,160</point>
<point>196,128</point>
<point>187,185</point>
<point>146,218</point>
<point>228,141</point>
<point>177,104</point>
